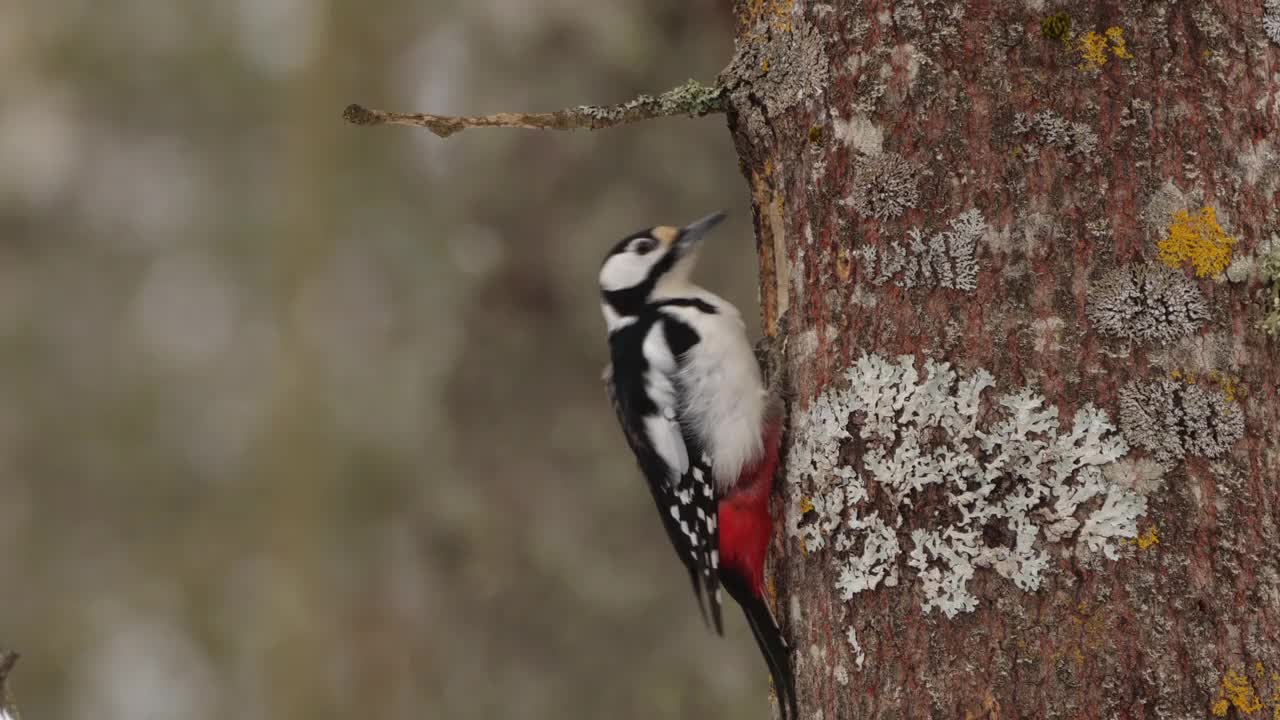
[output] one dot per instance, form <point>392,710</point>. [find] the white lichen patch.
<point>884,187</point>
<point>1172,420</point>
<point>858,133</point>
<point>1051,129</point>
<point>841,675</point>
<point>1146,303</point>
<point>1245,267</point>
<point>1259,160</point>
<point>1242,268</point>
<point>876,563</point>
<point>864,298</point>
<point>1164,203</point>
<point>1142,475</point>
<point>859,655</point>
<point>948,259</point>
<point>1047,334</point>
<point>1006,481</point>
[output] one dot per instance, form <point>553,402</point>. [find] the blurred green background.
<point>304,420</point>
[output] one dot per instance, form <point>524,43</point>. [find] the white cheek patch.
<point>626,270</point>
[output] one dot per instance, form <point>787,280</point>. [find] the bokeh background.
<point>303,420</point>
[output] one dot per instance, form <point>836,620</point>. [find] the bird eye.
<point>643,246</point>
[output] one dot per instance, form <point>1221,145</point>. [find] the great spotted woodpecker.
<point>688,393</point>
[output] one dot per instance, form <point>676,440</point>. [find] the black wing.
<point>697,507</point>
<point>684,508</point>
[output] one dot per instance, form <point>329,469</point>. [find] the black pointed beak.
<point>692,234</point>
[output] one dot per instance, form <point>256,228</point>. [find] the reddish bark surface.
<point>1186,627</point>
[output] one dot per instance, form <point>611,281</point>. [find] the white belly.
<point>723,396</point>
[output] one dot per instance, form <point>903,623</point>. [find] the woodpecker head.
<point>659,257</point>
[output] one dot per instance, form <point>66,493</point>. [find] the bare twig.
<point>692,99</point>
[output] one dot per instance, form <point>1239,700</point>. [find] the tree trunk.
<point>1012,250</point>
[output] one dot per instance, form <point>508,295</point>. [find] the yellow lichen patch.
<point>1091,623</point>
<point>1148,539</point>
<point>1093,51</point>
<point>1116,36</point>
<point>1236,691</point>
<point>1094,47</point>
<point>1227,384</point>
<point>1199,239</point>
<point>777,13</point>
<point>844,263</point>
<point>806,506</point>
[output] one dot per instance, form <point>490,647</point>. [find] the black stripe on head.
<point>628,302</point>
<point>622,244</point>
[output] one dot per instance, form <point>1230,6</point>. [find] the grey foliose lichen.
<point>1172,420</point>
<point>774,69</point>
<point>1146,303</point>
<point>692,98</point>
<point>947,259</point>
<point>952,477</point>
<point>884,186</point>
<point>1270,268</point>
<point>1271,20</point>
<point>1075,138</point>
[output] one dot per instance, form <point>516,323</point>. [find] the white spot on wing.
<point>664,428</point>
<point>664,436</point>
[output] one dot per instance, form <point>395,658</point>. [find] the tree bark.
<point>7,660</point>
<point>1011,250</point>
